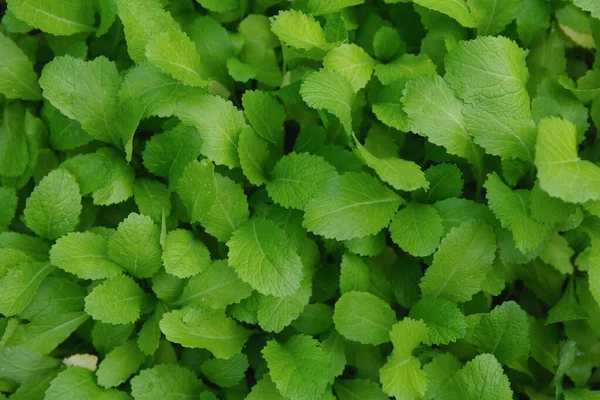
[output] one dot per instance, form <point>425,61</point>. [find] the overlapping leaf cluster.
<point>302,200</point>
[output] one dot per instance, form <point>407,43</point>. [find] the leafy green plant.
<point>303,200</point>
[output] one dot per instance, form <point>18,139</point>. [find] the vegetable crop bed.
<point>301,200</point>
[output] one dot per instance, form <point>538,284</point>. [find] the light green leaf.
<point>297,177</point>
<point>436,113</point>
<point>328,90</point>
<point>149,336</point>
<point>354,274</point>
<point>504,332</point>
<point>462,262</point>
<point>217,287</point>
<point>299,367</point>
<point>589,5</point>
<point>480,378</point>
<point>400,174</point>
<point>568,308</point>
<point>60,17</point>
<point>350,389</point>
<point>118,365</point>
<point>351,205</point>
<point>265,114</point>
<point>298,30</point>
<point>492,16</point>
<point>53,207</point>
<point>352,62</point>
<point>135,246</point>
<point>255,156</point>
<point>17,78</point>
<point>240,71</point>
<point>206,329</point>
<point>88,92</point>
<point>54,296</point>
<point>65,133</point>
<point>152,198</point>
<point>229,210</point>
<point>276,313</point>
<point>142,20</point>
<point>446,323</point>
<point>561,172</point>
<point>513,211</point>
<point>197,189</point>
<point>265,389</point>
<point>174,53</point>
<point>320,7</point>
<point>184,255</point>
<point>74,383</point>
<point>84,254</point>
<point>263,256</point>
<point>456,9</point>
<point>417,229</point>
<point>219,124</point>
<point>166,381</point>
<point>225,373</point>
<point>116,301</point>
<point>20,365</point>
<point>364,318</point>
<point>558,253</point>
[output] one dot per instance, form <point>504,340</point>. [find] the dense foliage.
<point>303,200</point>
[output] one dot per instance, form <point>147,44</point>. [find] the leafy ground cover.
<point>303,200</point>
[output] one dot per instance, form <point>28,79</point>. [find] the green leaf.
<point>65,133</point>
<point>225,373</point>
<point>589,5</point>
<point>567,309</point>
<point>276,313</point>
<point>400,174</point>
<point>445,181</point>
<point>480,378</point>
<point>504,332</point>
<point>19,364</point>
<point>436,113</point>
<point>14,155</point>
<point>158,92</point>
<point>142,20</point>
<point>105,337</point>
<point>43,334</point>
<point>217,287</point>
<point>298,30</point>
<point>255,156</point>
<point>73,383</point>
<point>492,17</point>
<point>135,246</point>
<point>461,263</point>
<point>320,7</point>
<point>350,389</point>
<point>329,90</point>
<point>401,376</point>
<point>152,198</point>
<point>219,124</point>
<point>84,254</point>
<point>8,198</point>
<point>417,229</point>
<point>265,389</point>
<point>54,206</point>
<point>174,53</point>
<point>446,323</point>
<point>264,257</point>
<point>439,371</point>
<point>351,205</point>
<point>455,9</point>
<point>558,254</point>
<point>88,92</point>
<point>364,318</point>
<point>117,300</point>
<point>149,336</point>
<point>354,274</point>
<point>240,71</point>
<point>299,367</point>
<point>197,189</point>
<point>184,255</point>
<point>561,172</point>
<point>512,209</point>
<point>165,382</point>
<point>229,210</point>
<point>118,365</point>
<point>352,62</point>
<point>19,285</point>
<point>297,177</point>
<point>17,78</point>
<point>62,17</point>
<point>265,114</point>
<point>493,87</point>
<point>55,296</point>
<point>205,329</point>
